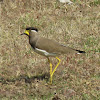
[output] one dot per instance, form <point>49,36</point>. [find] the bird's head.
<point>29,30</point>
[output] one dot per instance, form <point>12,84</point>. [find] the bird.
<point>66,1</point>
<point>48,47</point>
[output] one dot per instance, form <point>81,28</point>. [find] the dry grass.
<point>24,74</point>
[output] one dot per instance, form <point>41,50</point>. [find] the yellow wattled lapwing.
<point>47,47</point>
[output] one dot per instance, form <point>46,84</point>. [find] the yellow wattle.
<point>27,32</point>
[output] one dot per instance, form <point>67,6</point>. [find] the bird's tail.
<point>79,51</point>
<point>67,50</point>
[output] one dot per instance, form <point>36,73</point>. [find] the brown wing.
<point>53,46</point>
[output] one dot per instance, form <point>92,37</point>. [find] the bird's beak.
<point>26,33</point>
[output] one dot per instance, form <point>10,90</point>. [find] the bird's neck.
<point>33,38</point>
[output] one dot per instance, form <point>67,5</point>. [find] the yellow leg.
<point>56,66</point>
<point>50,71</point>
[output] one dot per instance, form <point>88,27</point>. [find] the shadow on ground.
<point>27,79</point>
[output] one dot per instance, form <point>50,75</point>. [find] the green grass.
<point>95,3</point>
<point>24,75</point>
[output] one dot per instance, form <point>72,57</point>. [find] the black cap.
<point>32,28</point>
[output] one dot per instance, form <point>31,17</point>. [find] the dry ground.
<point>24,74</point>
